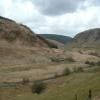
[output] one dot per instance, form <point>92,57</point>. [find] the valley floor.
<point>59,86</point>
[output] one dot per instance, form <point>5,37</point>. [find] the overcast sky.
<point>66,17</point>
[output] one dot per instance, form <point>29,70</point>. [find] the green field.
<point>62,88</point>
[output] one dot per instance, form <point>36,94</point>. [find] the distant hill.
<point>59,38</point>
<point>88,38</point>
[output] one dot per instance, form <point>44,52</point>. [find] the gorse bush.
<point>93,63</point>
<point>78,69</point>
<point>98,63</point>
<point>90,63</point>
<point>56,75</point>
<point>70,59</point>
<point>38,87</point>
<point>57,59</point>
<point>94,54</point>
<point>66,71</point>
<point>25,81</point>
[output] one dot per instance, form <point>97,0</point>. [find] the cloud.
<point>57,7</point>
<point>16,9</point>
<point>94,2</point>
<point>23,11</point>
<point>73,23</point>
<point>66,17</point>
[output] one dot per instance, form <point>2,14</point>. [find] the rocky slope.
<point>88,38</point>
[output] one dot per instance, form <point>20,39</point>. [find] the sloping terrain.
<point>67,73</point>
<point>59,38</point>
<point>22,51</point>
<point>88,38</point>
<point>19,45</point>
<point>20,35</point>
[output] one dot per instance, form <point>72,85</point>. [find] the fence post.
<point>90,94</point>
<point>76,97</point>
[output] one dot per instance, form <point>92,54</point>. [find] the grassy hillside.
<point>62,88</point>
<point>63,74</point>
<point>89,38</point>
<point>60,38</point>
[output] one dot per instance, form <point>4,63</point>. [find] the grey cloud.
<point>93,3</point>
<point>33,13</point>
<point>96,2</point>
<point>57,7</point>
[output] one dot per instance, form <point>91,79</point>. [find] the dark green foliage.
<point>70,59</point>
<point>80,52</point>
<point>87,62</point>
<point>25,81</point>
<point>57,59</point>
<point>66,71</point>
<point>93,63</point>
<point>56,75</point>
<point>78,69</point>
<point>38,87</point>
<point>59,38</point>
<point>50,44</point>
<point>98,63</point>
<point>90,63</point>
<point>94,54</point>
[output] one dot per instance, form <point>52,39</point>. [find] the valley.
<point>32,67</point>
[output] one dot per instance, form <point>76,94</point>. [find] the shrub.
<point>93,63</point>
<point>54,59</point>
<point>56,75</point>
<point>90,63</point>
<point>94,54</point>
<point>98,63</point>
<point>66,71</point>
<point>57,59</point>
<point>25,81</point>
<point>70,59</point>
<point>38,87</point>
<point>78,69</point>
<point>80,52</point>
<point>87,62</point>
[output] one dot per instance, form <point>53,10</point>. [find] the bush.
<point>56,75</point>
<point>87,62</point>
<point>98,63</point>
<point>57,59</point>
<point>38,87</point>
<point>66,71</point>
<point>25,81</point>
<point>78,69</point>
<point>94,54</point>
<point>80,52</point>
<point>90,63</point>
<point>70,59</point>
<point>93,63</point>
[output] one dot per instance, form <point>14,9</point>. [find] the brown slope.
<point>19,34</point>
<point>19,45</point>
<point>88,38</point>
